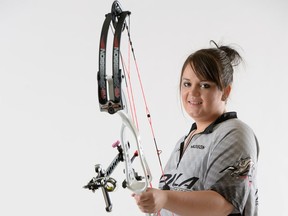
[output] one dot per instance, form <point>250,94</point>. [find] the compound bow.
<point>111,101</point>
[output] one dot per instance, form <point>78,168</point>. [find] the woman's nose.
<point>194,91</point>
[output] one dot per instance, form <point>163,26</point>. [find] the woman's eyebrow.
<point>183,78</point>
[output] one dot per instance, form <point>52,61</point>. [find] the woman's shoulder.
<point>235,124</point>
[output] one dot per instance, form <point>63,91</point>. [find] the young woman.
<point>212,170</point>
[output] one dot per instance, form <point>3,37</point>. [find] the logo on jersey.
<point>198,146</point>
<point>176,181</point>
<point>242,168</point>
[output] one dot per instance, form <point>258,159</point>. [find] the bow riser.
<point>132,183</point>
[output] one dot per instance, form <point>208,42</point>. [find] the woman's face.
<point>202,99</point>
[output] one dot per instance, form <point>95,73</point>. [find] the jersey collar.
<point>222,118</point>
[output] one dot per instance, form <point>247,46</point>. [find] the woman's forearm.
<point>197,203</point>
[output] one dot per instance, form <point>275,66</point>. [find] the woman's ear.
<point>226,93</point>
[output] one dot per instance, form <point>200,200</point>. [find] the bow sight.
<point>103,179</point>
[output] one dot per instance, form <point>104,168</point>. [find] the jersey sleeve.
<point>232,163</point>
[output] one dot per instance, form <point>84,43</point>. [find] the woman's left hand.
<point>150,201</point>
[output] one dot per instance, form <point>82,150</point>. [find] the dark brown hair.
<point>214,64</point>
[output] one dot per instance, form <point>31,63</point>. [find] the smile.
<point>194,102</point>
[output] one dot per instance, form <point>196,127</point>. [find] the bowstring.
<point>129,89</point>
<point>148,115</point>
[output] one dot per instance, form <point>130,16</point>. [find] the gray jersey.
<point>222,158</point>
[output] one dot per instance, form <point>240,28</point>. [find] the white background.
<point>52,132</point>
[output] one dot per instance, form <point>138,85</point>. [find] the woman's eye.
<point>204,85</point>
<point>186,84</point>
